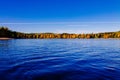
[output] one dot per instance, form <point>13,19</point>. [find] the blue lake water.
<point>60,59</point>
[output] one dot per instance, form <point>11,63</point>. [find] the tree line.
<point>5,32</point>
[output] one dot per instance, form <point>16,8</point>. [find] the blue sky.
<point>72,16</point>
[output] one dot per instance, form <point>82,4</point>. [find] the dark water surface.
<point>60,59</point>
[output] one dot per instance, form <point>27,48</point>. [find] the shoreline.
<point>5,38</point>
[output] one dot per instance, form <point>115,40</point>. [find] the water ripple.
<point>60,59</point>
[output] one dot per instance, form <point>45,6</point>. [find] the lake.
<point>60,59</point>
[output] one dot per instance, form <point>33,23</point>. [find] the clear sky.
<point>72,16</point>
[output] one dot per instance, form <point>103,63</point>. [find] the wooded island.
<point>6,33</point>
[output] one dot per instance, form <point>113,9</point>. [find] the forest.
<point>5,32</point>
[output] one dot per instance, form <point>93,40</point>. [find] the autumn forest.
<point>5,32</point>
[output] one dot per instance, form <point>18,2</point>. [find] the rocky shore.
<point>5,38</point>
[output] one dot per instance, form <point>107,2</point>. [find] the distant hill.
<point>5,32</point>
